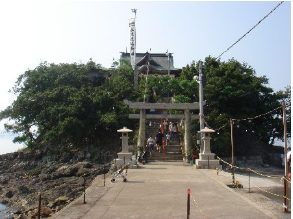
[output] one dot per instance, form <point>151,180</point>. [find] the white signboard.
<point>132,42</point>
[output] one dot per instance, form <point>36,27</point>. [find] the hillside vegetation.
<point>63,105</point>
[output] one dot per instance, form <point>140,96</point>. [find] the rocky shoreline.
<point>25,176</point>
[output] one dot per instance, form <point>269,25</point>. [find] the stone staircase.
<point>172,152</point>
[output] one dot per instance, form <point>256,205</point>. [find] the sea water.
<point>2,211</point>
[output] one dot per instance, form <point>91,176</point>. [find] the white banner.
<point>132,42</point>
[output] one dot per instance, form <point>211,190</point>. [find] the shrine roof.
<point>158,61</point>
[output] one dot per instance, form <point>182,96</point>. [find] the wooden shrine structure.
<point>142,116</point>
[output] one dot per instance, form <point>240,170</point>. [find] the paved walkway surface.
<point>159,190</point>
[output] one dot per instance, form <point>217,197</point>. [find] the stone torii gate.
<point>187,116</point>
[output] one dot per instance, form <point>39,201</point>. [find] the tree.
<point>68,104</point>
<point>234,91</point>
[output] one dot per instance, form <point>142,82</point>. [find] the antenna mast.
<point>134,11</point>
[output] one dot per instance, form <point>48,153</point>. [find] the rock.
<point>51,205</point>
<point>20,155</point>
<point>64,171</point>
<point>80,155</point>
<point>60,201</point>
<point>9,194</point>
<point>58,208</point>
<point>65,157</point>
<point>18,188</point>
<point>17,211</point>
<point>38,155</point>
<point>87,164</point>
<point>4,181</point>
<point>23,189</point>
<point>45,177</point>
<point>82,171</point>
<point>84,164</point>
<point>46,212</point>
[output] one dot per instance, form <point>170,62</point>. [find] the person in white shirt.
<point>150,145</point>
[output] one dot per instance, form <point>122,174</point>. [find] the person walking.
<point>166,125</point>
<point>167,139</point>
<point>150,145</point>
<point>159,140</point>
<point>170,130</point>
<point>174,130</point>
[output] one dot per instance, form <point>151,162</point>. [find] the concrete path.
<point>159,190</point>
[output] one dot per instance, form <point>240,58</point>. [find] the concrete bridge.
<point>159,190</point>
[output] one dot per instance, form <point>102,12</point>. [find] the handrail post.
<point>104,176</point>
<point>248,180</point>
<point>40,204</point>
<point>84,190</point>
<point>188,203</point>
<point>285,195</point>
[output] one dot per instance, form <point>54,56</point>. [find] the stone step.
<point>172,142</point>
<point>167,154</point>
<point>170,148</point>
<point>173,150</point>
<point>165,158</point>
<point>173,146</point>
<point>155,159</point>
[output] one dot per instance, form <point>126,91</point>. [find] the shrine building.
<point>159,63</point>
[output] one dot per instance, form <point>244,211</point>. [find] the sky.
<point>75,31</point>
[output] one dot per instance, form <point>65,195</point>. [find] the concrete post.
<point>187,142</point>
<point>135,76</point>
<point>201,113</point>
<point>141,132</point>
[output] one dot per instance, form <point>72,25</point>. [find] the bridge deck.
<point>159,190</point>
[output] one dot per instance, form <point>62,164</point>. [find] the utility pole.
<point>232,152</point>
<point>285,138</point>
<point>285,156</point>
<point>201,113</point>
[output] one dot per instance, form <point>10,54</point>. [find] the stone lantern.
<point>124,157</point>
<point>124,138</point>
<point>207,158</point>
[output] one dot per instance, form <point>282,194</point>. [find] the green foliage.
<point>64,105</point>
<point>34,172</point>
<point>165,86</point>
<point>234,91</point>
